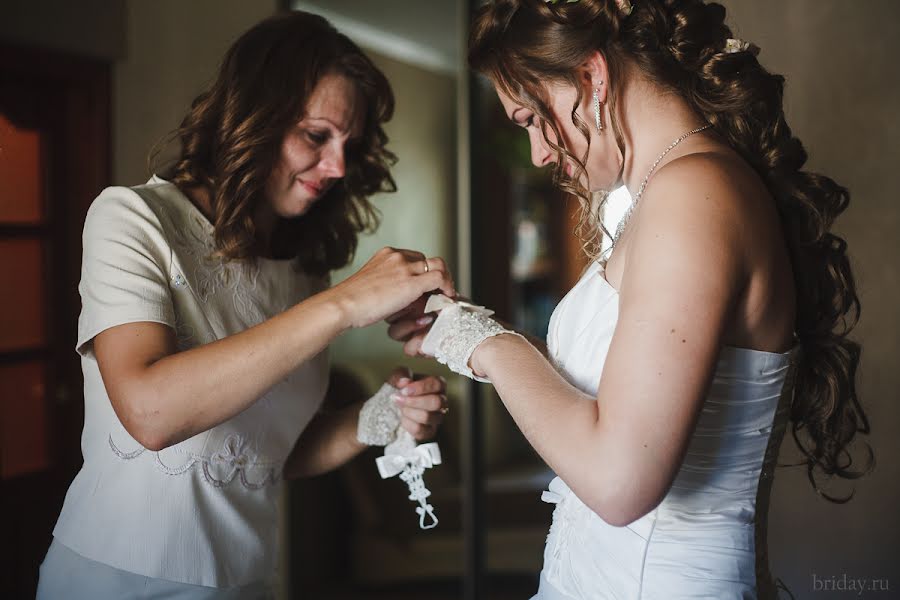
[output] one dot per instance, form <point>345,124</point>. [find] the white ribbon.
<point>557,492</point>
<point>438,302</point>
<point>426,456</point>
<point>404,458</point>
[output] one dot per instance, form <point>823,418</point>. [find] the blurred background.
<point>88,88</point>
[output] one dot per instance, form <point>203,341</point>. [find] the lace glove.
<point>379,425</point>
<point>379,418</point>
<point>458,329</point>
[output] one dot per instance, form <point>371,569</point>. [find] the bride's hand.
<point>410,325</point>
<point>390,282</point>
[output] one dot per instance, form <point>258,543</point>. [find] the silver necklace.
<point>640,191</point>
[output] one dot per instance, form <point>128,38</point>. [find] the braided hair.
<point>520,45</point>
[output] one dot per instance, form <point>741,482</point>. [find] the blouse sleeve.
<point>124,268</point>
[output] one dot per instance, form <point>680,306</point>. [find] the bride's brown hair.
<point>523,44</point>
<point>232,135</point>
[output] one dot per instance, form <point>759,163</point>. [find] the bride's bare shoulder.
<point>707,184</point>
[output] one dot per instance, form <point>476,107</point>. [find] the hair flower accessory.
<point>733,45</point>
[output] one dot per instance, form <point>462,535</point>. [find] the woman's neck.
<point>264,219</point>
<point>652,118</point>
<point>202,199</point>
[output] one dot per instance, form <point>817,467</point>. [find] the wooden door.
<point>54,156</point>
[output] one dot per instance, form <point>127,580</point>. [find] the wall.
<point>92,28</point>
<point>173,50</point>
<point>842,97</point>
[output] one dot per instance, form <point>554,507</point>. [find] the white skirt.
<point>66,575</point>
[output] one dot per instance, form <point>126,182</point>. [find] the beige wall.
<point>842,99</point>
<point>173,49</point>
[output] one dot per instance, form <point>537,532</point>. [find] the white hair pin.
<point>733,45</point>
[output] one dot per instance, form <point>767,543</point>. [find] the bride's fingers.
<point>401,330</point>
<point>412,346</point>
<point>413,310</point>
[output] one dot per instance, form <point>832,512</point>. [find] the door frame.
<point>75,110</point>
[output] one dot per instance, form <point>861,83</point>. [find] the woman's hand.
<point>391,281</point>
<point>422,402</point>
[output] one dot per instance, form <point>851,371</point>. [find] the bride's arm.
<point>621,451</point>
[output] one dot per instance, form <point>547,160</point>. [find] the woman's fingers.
<point>438,277</point>
<point>435,403</point>
<point>389,285</point>
<point>400,377</point>
<point>424,386</point>
<point>423,405</point>
<point>417,430</point>
<point>412,311</point>
<point>422,417</point>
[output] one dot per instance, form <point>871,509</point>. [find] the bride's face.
<point>603,163</point>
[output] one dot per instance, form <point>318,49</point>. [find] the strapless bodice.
<point>701,541</point>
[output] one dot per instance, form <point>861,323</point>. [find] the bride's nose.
<point>541,155</point>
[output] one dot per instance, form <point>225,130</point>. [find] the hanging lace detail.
<point>404,458</point>
<point>231,462</point>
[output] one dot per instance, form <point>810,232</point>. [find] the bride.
<point>718,318</point>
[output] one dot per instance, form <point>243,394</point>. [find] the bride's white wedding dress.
<point>706,539</point>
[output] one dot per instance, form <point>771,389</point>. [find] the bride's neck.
<point>652,118</point>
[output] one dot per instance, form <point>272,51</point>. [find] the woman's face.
<point>313,151</point>
<point>603,164</point>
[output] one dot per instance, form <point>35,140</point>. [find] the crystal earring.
<point>597,109</point>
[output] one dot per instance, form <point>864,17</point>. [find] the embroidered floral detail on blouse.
<point>184,333</point>
<point>212,273</point>
<point>232,461</point>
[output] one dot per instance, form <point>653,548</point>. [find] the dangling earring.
<point>597,109</point>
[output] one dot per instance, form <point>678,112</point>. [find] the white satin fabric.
<point>700,542</point>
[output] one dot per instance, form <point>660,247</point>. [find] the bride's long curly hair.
<point>231,138</point>
<point>520,45</point>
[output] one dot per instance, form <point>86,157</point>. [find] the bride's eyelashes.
<point>526,122</point>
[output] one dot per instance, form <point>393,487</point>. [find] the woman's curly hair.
<point>523,44</point>
<point>232,136</point>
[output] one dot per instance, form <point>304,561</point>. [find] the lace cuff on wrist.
<point>457,331</point>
